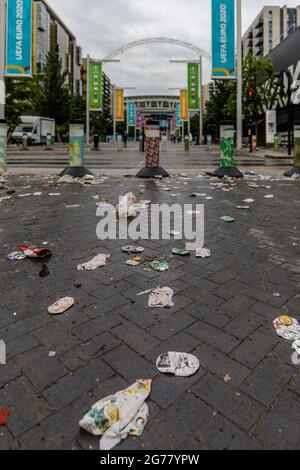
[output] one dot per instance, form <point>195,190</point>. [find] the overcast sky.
<point>101,26</point>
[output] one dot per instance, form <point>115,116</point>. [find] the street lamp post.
<point>2,86</point>
<point>239,125</point>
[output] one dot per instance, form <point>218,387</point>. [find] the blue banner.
<point>178,121</point>
<point>131,119</point>
<point>223,39</point>
<point>18,41</point>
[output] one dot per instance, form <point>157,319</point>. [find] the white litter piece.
<point>97,262</point>
<point>269,196</point>
<point>120,415</point>
<point>248,201</point>
<point>66,179</point>
<point>52,354</point>
<point>203,253</point>
<point>5,198</point>
<point>296,346</point>
<point>126,207</point>
<point>54,194</point>
<point>287,328</point>
<point>37,194</point>
<point>162,297</point>
<point>178,364</point>
<point>24,195</point>
<point>74,206</point>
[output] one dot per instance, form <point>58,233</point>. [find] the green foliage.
<point>101,124</point>
<point>258,76</point>
<point>55,99</point>
<point>21,96</point>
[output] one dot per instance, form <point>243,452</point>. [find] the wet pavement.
<point>246,394</point>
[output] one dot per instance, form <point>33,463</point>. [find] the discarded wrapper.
<point>16,256</point>
<point>287,328</point>
<point>61,306</point>
<point>162,297</point>
<point>4,415</point>
<point>160,266</point>
<point>136,261</point>
<point>119,415</point>
<point>203,253</point>
<point>126,207</point>
<point>243,208</point>
<point>35,252</point>
<point>97,262</point>
<point>296,346</point>
<point>227,219</point>
<point>180,252</point>
<point>133,249</point>
<point>178,364</point>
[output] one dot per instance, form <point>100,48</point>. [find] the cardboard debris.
<point>178,364</point>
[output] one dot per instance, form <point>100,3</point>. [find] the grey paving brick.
<point>236,406</point>
<point>215,337</point>
<point>254,349</point>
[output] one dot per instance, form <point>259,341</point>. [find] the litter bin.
<point>76,167</point>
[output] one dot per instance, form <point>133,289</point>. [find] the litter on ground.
<point>178,364</point>
<point>162,297</point>
<point>61,306</point>
<point>97,262</point>
<point>120,415</point>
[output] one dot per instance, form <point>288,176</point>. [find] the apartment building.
<point>50,34</point>
<point>269,29</point>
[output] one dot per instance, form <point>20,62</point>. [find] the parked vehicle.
<point>36,128</point>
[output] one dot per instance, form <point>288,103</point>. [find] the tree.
<point>216,110</point>
<point>55,98</point>
<point>21,98</point>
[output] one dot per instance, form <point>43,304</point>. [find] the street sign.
<point>223,39</point>
<point>18,38</point>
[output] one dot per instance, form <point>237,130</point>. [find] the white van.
<point>37,128</point>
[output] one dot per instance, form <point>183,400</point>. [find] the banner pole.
<point>3,130</point>
<point>200,101</point>
<point>88,91</point>
<point>114,115</point>
<point>239,77</point>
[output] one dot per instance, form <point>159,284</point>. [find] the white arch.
<point>159,40</point>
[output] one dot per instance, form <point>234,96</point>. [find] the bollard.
<point>227,160</point>
<point>24,141</point>
<point>96,143</point>
<point>164,143</point>
<point>76,167</point>
<point>276,143</point>
<point>152,167</point>
<point>49,142</point>
<point>3,132</point>
<point>187,143</point>
<point>296,168</point>
<point>119,143</point>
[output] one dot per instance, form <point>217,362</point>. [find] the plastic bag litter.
<point>61,306</point>
<point>203,253</point>
<point>35,252</point>
<point>126,207</point>
<point>178,364</point>
<point>119,415</point>
<point>296,346</point>
<point>97,262</point>
<point>287,328</point>
<point>162,297</point>
<point>180,252</point>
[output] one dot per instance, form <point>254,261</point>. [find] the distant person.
<point>125,139</point>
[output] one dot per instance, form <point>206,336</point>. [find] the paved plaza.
<point>246,394</point>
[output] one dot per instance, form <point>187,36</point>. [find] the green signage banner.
<point>96,86</point>
<point>193,86</point>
